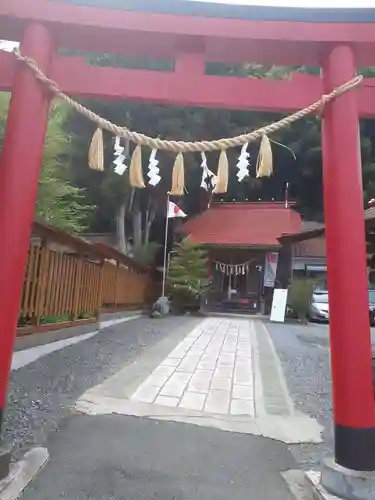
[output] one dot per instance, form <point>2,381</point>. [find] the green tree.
<point>4,103</point>
<point>59,203</point>
<point>187,277</point>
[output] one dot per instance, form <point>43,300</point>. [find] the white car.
<point>319,307</point>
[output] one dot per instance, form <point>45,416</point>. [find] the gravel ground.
<point>307,371</point>
<point>42,393</point>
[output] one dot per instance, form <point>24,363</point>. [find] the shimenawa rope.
<point>181,146</point>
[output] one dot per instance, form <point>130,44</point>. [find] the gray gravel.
<point>305,359</point>
<point>43,393</point>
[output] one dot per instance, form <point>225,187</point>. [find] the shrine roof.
<point>243,224</point>
<point>318,230</point>
<point>208,8</point>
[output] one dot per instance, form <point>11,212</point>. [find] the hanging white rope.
<point>231,269</point>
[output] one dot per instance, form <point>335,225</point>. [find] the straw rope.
<point>181,146</point>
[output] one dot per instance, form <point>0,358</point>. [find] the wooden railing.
<point>59,285</point>
<point>69,281</point>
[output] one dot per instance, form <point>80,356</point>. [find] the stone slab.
<point>242,407</point>
<point>167,401</point>
<point>146,393</point>
<point>217,402</point>
<point>176,385</point>
<point>193,401</point>
<point>22,473</point>
<point>243,392</point>
<point>200,381</point>
<point>221,383</point>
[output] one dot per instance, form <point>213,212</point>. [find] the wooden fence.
<point>69,281</point>
<point>124,287</point>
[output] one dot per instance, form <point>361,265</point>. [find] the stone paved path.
<point>210,370</point>
<point>224,373</point>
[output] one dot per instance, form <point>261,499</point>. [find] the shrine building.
<point>244,251</point>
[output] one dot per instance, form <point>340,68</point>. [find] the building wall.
<point>309,259</point>
<point>309,264</point>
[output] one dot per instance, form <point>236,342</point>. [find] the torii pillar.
<point>19,174</point>
<point>353,400</point>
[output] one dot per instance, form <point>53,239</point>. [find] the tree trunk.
<point>137,229</point>
<point>150,217</point>
<point>120,229</point>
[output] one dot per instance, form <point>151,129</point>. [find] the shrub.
<point>299,296</point>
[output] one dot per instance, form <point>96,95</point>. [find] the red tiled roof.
<point>243,224</point>
<point>310,248</point>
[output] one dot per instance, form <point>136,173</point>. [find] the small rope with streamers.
<point>181,146</point>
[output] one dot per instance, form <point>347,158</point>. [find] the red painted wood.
<point>346,251</point>
<point>113,30</point>
<point>185,87</point>
<point>190,63</point>
<point>19,173</point>
<point>76,78</point>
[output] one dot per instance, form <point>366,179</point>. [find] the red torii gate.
<point>192,33</point>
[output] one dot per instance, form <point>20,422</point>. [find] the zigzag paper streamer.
<point>153,169</point>
<point>208,177</point>
<point>120,167</point>
<point>243,163</point>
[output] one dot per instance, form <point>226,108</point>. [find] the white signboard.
<point>279,305</point>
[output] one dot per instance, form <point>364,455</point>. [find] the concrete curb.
<point>22,473</point>
<point>45,338</point>
<point>24,357</point>
<point>320,492</point>
<point>306,485</point>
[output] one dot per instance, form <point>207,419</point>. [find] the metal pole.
<point>165,249</point>
<point>168,263</point>
<point>287,195</point>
